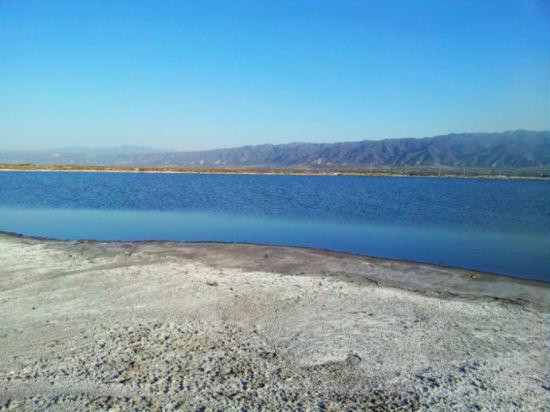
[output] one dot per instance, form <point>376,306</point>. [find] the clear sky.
<point>205,74</point>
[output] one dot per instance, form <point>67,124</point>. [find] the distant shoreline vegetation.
<point>401,171</point>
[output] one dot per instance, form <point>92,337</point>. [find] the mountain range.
<point>513,149</point>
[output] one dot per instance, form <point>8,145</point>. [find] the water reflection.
<point>522,255</point>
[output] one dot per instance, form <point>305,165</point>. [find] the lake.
<point>499,226</point>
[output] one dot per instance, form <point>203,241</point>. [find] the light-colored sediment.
<point>88,325</point>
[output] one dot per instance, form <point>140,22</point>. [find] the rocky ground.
<point>147,326</point>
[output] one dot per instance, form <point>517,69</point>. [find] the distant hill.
<point>76,155</point>
<point>512,149</point>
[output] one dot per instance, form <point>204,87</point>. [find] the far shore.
<point>441,173</point>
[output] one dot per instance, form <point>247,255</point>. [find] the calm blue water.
<point>499,226</point>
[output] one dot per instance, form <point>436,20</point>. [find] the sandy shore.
<point>88,325</point>
<point>279,172</point>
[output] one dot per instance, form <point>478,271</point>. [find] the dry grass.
<point>428,172</point>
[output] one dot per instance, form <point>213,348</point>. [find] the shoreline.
<point>210,326</point>
<point>485,276</point>
<point>280,172</point>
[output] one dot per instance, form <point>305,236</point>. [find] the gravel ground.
<point>161,326</point>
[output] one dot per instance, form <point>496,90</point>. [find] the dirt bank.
<point>88,325</point>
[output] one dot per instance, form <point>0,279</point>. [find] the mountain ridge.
<point>514,149</point>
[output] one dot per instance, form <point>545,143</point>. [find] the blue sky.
<point>206,74</point>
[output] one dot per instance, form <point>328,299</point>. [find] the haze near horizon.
<point>198,76</point>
